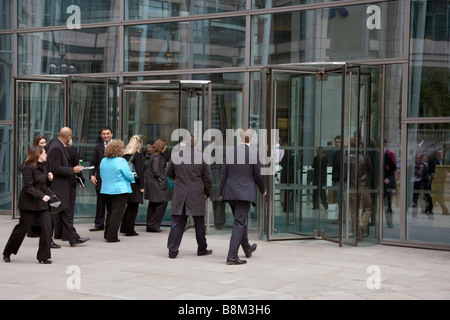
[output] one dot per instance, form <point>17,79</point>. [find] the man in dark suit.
<point>63,175</point>
<point>193,185</point>
<point>240,176</point>
<point>94,175</point>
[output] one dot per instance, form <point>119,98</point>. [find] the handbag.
<point>132,166</point>
<point>54,204</point>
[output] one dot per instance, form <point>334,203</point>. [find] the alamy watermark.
<point>216,152</point>
<point>373,282</point>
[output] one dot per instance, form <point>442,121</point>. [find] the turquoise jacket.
<point>116,176</point>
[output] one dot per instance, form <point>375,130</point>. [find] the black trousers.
<point>100,211</point>
<point>20,230</point>
<point>129,218</point>
<point>177,230</point>
<point>239,235</point>
<point>115,208</point>
<point>155,215</point>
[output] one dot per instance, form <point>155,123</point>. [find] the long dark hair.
<point>33,155</point>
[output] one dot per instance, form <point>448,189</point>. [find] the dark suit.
<point>63,176</point>
<point>97,156</point>
<point>134,198</point>
<point>238,187</point>
<point>193,182</point>
<point>32,207</point>
<point>156,191</point>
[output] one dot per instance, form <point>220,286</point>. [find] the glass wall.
<point>363,32</point>
<point>44,13</point>
<point>6,16</point>
<point>428,148</point>
<point>391,208</point>
<point>138,9</point>
<point>215,43</point>
<point>94,50</point>
<point>6,117</point>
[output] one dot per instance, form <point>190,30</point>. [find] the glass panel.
<point>6,166</point>
<point>306,109</point>
<point>428,195</point>
<point>264,4</point>
<point>361,155</point>
<point>139,10</point>
<point>392,134</point>
<point>43,13</point>
<point>6,78</point>
<point>69,52</point>
<point>87,114</point>
<point>430,73</point>
<point>215,43</point>
<point>6,16</point>
<point>316,35</point>
<point>40,111</point>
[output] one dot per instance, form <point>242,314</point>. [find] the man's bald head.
<point>65,134</point>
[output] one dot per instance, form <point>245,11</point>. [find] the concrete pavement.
<point>139,268</point>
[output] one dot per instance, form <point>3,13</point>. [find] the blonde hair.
<point>134,145</point>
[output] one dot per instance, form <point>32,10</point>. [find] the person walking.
<point>94,175</point>
<point>319,166</point>
<point>133,154</point>
<point>116,178</point>
<point>33,204</point>
<point>35,229</point>
<point>157,187</point>
<point>239,180</point>
<point>193,185</point>
<point>63,174</point>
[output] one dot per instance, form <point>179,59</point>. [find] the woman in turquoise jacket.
<point>116,186</point>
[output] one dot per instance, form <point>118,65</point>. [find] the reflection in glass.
<point>6,16</point>
<point>264,4</point>
<point>428,178</point>
<point>6,164</point>
<point>215,43</point>
<point>429,74</point>
<point>44,13</point>
<point>327,35</point>
<point>138,9</point>
<point>392,146</point>
<point>91,103</point>
<point>6,77</point>
<point>93,50</point>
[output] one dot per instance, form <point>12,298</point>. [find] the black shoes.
<point>6,259</point>
<point>253,248</point>
<point>236,261</point>
<point>54,246</point>
<point>207,252</point>
<point>46,261</point>
<point>79,241</point>
<point>97,229</point>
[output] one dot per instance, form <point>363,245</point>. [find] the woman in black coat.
<point>157,188</point>
<point>33,204</point>
<point>133,154</point>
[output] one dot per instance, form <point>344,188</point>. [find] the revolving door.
<point>326,115</point>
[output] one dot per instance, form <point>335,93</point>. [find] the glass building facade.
<point>375,73</point>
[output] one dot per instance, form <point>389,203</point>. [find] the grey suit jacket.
<point>241,174</point>
<point>192,183</point>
